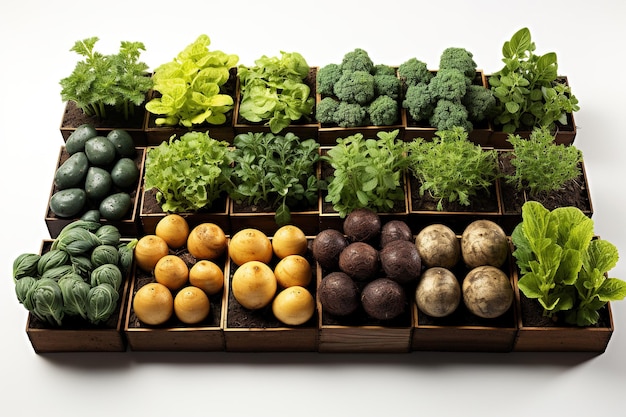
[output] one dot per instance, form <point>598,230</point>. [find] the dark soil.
<point>532,316</point>
<point>239,317</point>
<point>215,313</point>
<point>74,117</point>
<point>150,205</point>
<point>485,201</point>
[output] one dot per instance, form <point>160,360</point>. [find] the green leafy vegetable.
<point>367,172</point>
<point>45,300</point>
<point>188,173</point>
<point>450,167</point>
<point>192,87</point>
<point>101,302</point>
<point>540,164</point>
<point>276,170</point>
<point>562,266</point>
<point>119,81</point>
<point>274,91</point>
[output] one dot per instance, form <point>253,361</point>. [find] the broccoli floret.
<point>383,111</point>
<point>355,87</point>
<point>350,114</point>
<point>460,59</point>
<point>479,102</point>
<point>382,69</point>
<point>327,76</point>
<point>326,109</point>
<point>448,114</point>
<point>418,102</point>
<point>357,60</point>
<point>413,72</point>
<point>387,85</point>
<point>448,84</point>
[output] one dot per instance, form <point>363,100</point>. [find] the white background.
<point>35,38</point>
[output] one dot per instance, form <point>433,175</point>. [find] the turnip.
<point>326,247</point>
<point>383,299</point>
<point>438,293</point>
<point>359,260</point>
<point>437,245</point>
<point>484,243</point>
<point>362,225</point>
<point>395,230</point>
<point>487,292</point>
<point>338,294</point>
<point>401,261</point>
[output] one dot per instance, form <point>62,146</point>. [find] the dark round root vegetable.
<point>487,292</point>
<point>395,230</point>
<point>438,293</point>
<point>383,299</point>
<point>360,260</point>
<point>362,225</point>
<point>438,246</point>
<point>338,294</point>
<point>484,243</point>
<point>326,247</point>
<point>401,261</point>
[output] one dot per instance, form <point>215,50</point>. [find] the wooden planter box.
<point>422,215</point>
<point>463,331</point>
<point>360,334</point>
<point>155,135</point>
<point>304,129</point>
<point>480,135</point>
<point>150,217</point>
<point>78,335</point>
<point>128,227</point>
<point>259,331</point>
<point>512,200</point>
<point>73,117</point>
<point>174,335</point>
<point>307,221</point>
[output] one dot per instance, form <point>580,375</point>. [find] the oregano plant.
<point>450,167</point>
<point>542,165</point>
<point>98,82</point>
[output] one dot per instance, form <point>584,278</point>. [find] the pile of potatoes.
<point>373,266</point>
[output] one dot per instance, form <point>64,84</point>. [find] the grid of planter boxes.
<point>388,210</point>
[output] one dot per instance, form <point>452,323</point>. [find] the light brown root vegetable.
<point>484,243</point>
<point>438,293</point>
<point>439,246</point>
<point>487,292</point>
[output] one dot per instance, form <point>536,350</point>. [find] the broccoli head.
<point>327,76</point>
<point>382,69</point>
<point>326,109</point>
<point>460,59</point>
<point>449,114</point>
<point>350,114</point>
<point>413,72</point>
<point>357,60</point>
<point>479,102</point>
<point>383,111</point>
<point>387,85</point>
<point>355,87</point>
<point>448,84</point>
<point>418,102</point>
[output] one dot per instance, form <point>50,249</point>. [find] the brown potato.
<point>487,292</point>
<point>438,293</point>
<point>484,243</point>
<point>439,246</point>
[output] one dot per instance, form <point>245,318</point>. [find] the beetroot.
<point>383,299</point>
<point>338,294</point>
<point>362,225</point>
<point>327,246</point>
<point>395,230</point>
<point>360,261</point>
<point>401,261</point>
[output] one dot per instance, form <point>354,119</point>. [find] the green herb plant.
<point>527,89</point>
<point>65,283</point>
<point>541,165</point>
<point>276,170</point>
<point>450,167</point>
<point>189,173</point>
<point>119,81</point>
<point>563,266</point>
<point>274,91</point>
<point>192,87</point>
<point>367,172</point>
